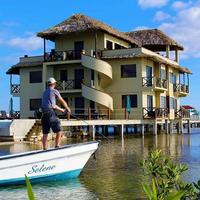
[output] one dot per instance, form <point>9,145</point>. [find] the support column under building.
<point>155,128</point>
<point>189,126</point>
<point>166,127</point>
<point>171,127</point>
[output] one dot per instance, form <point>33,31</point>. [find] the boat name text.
<point>41,168</point>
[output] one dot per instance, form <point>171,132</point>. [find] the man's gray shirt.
<point>49,98</point>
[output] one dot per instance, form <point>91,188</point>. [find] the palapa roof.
<point>154,39</point>
<point>81,23</point>
<point>15,68</point>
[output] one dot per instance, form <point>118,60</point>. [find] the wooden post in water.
<point>171,127</point>
<point>181,127</point>
<point>189,126</point>
<point>166,127</point>
<point>155,128</point>
<point>142,129</point>
<point>122,135</point>
<point>122,130</point>
<point>93,132</point>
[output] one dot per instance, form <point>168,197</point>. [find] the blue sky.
<point>20,20</point>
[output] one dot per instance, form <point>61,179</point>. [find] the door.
<point>63,75</point>
<point>149,75</point>
<point>168,103</point>
<point>79,106</point>
<point>78,78</point>
<point>149,102</point>
<point>78,47</point>
<point>150,111</point>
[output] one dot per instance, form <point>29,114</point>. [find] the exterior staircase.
<point>105,71</point>
<point>35,133</point>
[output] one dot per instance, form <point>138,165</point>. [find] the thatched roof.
<point>81,23</point>
<point>154,39</point>
<point>15,68</point>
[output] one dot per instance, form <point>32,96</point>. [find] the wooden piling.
<point>155,128</point>
<point>189,126</point>
<point>166,127</point>
<point>93,132</point>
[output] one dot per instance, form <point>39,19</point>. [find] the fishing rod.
<point>79,119</point>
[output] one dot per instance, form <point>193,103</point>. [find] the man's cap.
<point>51,80</point>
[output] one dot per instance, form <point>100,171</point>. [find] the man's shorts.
<point>50,121</point>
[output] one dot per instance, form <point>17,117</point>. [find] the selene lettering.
<point>40,168</point>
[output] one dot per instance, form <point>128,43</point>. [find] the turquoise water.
<point>115,174</point>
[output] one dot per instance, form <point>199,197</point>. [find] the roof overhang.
<point>143,53</point>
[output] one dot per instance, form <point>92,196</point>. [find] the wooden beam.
<point>44,48</point>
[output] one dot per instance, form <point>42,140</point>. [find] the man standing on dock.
<point>49,117</point>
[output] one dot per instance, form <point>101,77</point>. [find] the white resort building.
<point>104,73</point>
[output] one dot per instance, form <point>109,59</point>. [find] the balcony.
<point>155,82</point>
<point>182,114</point>
<point>69,86</point>
<point>54,55</point>
<point>155,113</point>
<point>15,89</point>
<point>182,90</point>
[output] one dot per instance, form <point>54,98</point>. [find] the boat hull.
<point>54,164</point>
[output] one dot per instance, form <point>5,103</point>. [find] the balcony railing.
<point>182,113</point>
<point>181,88</point>
<point>153,113</point>
<point>147,81</point>
<point>15,115</point>
<point>154,81</point>
<point>15,89</point>
<point>69,85</point>
<point>160,83</point>
<point>62,55</point>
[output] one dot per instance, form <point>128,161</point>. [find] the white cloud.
<point>29,43</point>
<point>9,23</point>
<point>152,3</point>
<point>178,5</point>
<point>185,28</point>
<point>160,16</point>
<point>141,28</point>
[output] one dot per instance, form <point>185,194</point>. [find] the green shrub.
<point>166,179</point>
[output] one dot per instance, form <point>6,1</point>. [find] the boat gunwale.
<point>6,157</point>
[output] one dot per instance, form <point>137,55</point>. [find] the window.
<point>35,77</point>
<point>171,77</point>
<point>173,103</point>
<point>63,75</point>
<point>149,76</point>
<point>35,104</point>
<point>128,71</point>
<point>118,46</point>
<point>149,102</point>
<point>174,79</point>
<point>133,99</point>
<point>109,45</point>
<point>163,102</point>
<point>92,75</point>
<point>163,74</point>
